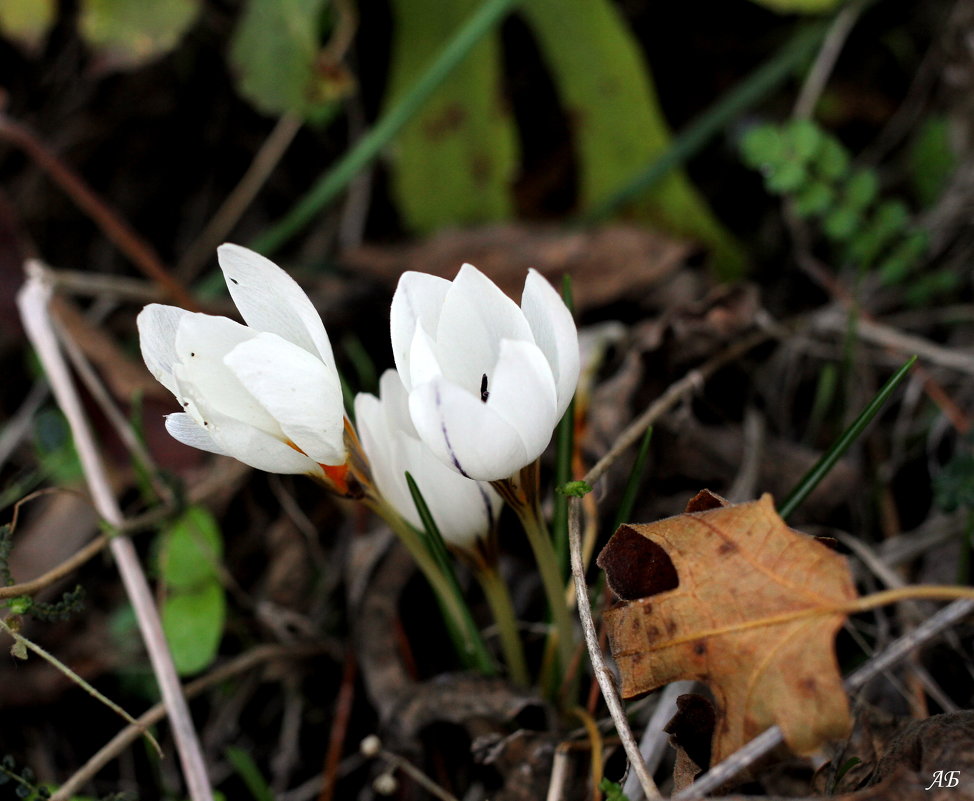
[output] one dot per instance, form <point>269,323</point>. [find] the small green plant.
<point>815,172</point>
<point>71,601</point>
<point>613,791</point>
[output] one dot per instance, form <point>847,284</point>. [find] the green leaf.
<point>832,160</point>
<point>129,33</point>
<point>454,162</point>
<point>932,159</point>
<point>193,624</point>
<point>573,489</point>
<point>274,53</point>
<point>813,199</point>
<point>861,189</point>
<point>607,91</point>
<point>245,766</point>
<point>27,21</point>
<point>799,6</point>
<point>805,139</point>
<point>928,286</point>
<point>190,550</point>
<point>786,178</point>
<point>840,224</point>
<point>763,146</point>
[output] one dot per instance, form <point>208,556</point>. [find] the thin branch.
<point>771,738</point>
<point>104,216</point>
<point>243,194</point>
<point>828,54</point>
<point>33,301</point>
<point>602,673</point>
<point>128,735</point>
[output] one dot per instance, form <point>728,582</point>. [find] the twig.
<point>673,394</point>
<point>128,735</point>
<point>339,728</point>
<point>106,218</point>
<point>828,54</point>
<point>33,300</point>
<point>69,565</point>
<point>243,194</point>
<point>602,673</point>
<point>771,738</point>
<point>58,665</point>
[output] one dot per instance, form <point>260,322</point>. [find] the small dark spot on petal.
<point>185,404</point>
<point>484,394</point>
<point>192,354</point>
<point>234,280</point>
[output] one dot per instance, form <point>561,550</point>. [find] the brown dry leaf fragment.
<point>730,596</point>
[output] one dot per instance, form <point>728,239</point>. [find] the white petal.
<point>465,433</point>
<point>257,448</point>
<point>424,364</point>
<point>555,333</point>
<point>157,338</point>
<point>474,319</point>
<point>464,510</point>
<point>418,299</point>
<point>522,392</point>
<point>270,300</point>
<point>186,430</point>
<point>204,382</point>
<point>395,401</point>
<point>301,393</point>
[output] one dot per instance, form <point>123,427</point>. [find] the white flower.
<point>266,393</point>
<point>487,381</point>
<point>464,510</point>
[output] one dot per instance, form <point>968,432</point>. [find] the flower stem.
<point>466,636</point>
<point>521,493</point>
<point>499,600</point>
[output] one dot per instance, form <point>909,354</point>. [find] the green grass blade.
<point>437,548</point>
<point>564,450</point>
<point>750,91</point>
<point>821,468</point>
<point>369,146</point>
<point>632,484</point>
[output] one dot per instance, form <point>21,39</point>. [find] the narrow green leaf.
<point>822,467</point>
<point>454,162</point>
<point>632,483</point>
<point>477,648</point>
<point>247,769</point>
<point>564,452</point>
<point>483,20</point>
<point>193,623</point>
<point>799,6</point>
<point>129,33</point>
<point>932,158</point>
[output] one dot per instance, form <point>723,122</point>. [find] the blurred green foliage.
<point>813,169</point>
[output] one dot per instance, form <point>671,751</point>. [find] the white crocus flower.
<point>266,393</point>
<point>487,381</point>
<point>465,511</point>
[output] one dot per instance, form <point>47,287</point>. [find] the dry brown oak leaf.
<point>730,596</point>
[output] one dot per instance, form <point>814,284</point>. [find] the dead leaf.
<point>730,596</point>
<point>607,265</point>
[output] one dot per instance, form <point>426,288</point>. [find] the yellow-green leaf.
<point>193,624</point>
<point>799,6</point>
<point>128,33</point>
<point>275,53</point>
<point>454,162</point>
<point>27,21</point>
<point>607,92</point>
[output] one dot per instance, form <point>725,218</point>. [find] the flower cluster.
<point>479,386</point>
